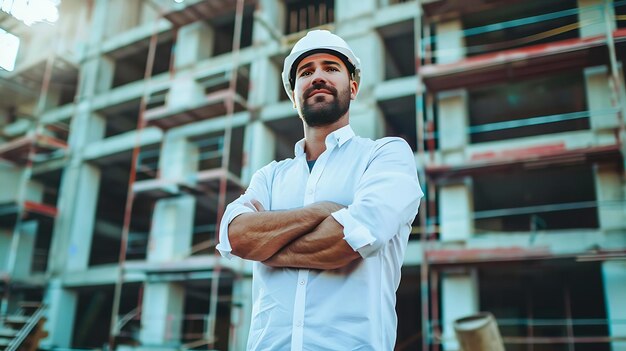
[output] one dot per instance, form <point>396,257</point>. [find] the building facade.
<point>129,124</point>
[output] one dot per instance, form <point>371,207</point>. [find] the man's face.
<point>323,89</point>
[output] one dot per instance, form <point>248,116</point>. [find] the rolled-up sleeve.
<point>386,198</point>
<point>259,189</point>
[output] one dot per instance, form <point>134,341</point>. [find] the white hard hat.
<point>319,41</point>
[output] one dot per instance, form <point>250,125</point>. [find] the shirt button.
<point>299,323</point>
<point>310,191</point>
<point>302,282</point>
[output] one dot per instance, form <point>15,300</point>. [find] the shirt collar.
<point>336,138</point>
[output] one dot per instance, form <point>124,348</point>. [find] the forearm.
<point>257,236</point>
<point>323,248</point>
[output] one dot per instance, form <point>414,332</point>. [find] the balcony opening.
<point>537,106</point>
<point>224,27</point>
<point>130,62</point>
<point>211,150</point>
<point>221,82</point>
<point>535,200</point>
<point>399,41</point>
<point>277,68</point>
<point>93,315</point>
<point>620,12</point>
<point>288,131</point>
<point>198,307</point>
<point>529,29</point>
<point>121,118</point>
<point>409,310</point>
<point>400,118</point>
<point>204,226</point>
<point>157,99</point>
<point>148,162</point>
<point>303,15</point>
<point>109,216</point>
<point>51,182</point>
<point>532,304</point>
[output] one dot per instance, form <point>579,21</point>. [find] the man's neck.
<point>315,137</point>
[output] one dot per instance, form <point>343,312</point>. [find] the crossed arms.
<point>325,235</point>
<point>308,237</point>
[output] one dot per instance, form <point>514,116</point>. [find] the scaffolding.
<point>44,142</point>
<point>222,99</point>
<point>517,58</point>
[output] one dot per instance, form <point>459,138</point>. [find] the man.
<point>328,228</point>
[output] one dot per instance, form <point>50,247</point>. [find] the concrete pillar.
<point>265,84</point>
<point>241,313</point>
<point>367,120</point>
<point>81,230</point>
<point>599,102</point>
<point>179,158</point>
<point>122,15</point>
<point>614,274</point>
<point>270,14</point>
<point>105,67</point>
<point>365,117</point>
<point>34,191</point>
<point>345,10</point>
<point>74,228</point>
<point>259,144</point>
<point>172,229</point>
<point>60,314</point>
<point>592,17</point>
<point>610,197</point>
<point>459,298</point>
<point>25,250</point>
<point>51,99</point>
<point>184,91</point>
<point>453,122</point>
<point>450,41</point>
<point>97,22</point>
<point>11,179</point>
<point>194,43</point>
<point>162,315</point>
<point>369,47</point>
<point>456,210</point>
<point>170,239</point>
<point>149,13</point>
<point>96,73</point>
<point>5,245</point>
<point>97,127</point>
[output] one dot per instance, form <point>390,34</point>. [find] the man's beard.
<point>320,113</point>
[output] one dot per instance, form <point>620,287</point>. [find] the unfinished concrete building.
<point>127,125</point>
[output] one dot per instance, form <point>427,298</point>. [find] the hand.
<point>328,207</point>
<point>255,205</point>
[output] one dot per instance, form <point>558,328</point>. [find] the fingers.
<point>254,205</point>
<point>250,206</point>
<point>330,206</point>
<point>257,205</point>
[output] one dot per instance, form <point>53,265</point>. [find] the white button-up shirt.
<point>346,309</point>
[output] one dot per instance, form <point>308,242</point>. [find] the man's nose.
<point>318,77</point>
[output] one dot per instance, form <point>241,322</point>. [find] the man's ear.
<point>354,89</point>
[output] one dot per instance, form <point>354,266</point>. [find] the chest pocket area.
<point>338,182</point>
<point>288,189</point>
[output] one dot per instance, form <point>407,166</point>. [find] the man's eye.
<point>332,69</point>
<point>305,73</point>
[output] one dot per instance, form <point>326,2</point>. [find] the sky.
<point>29,12</point>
